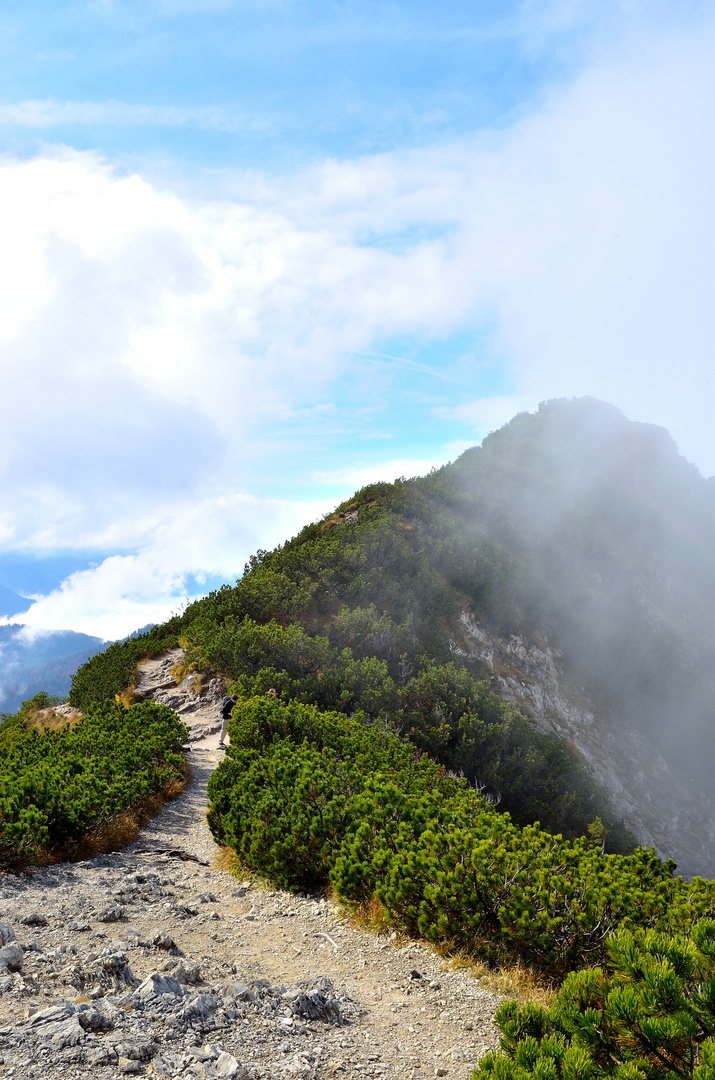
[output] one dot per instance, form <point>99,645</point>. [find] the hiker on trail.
<point>226,709</point>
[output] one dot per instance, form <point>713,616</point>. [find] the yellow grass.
<point>127,697</point>
<point>228,861</point>
<point>513,980</point>
<point>509,979</point>
<point>180,670</point>
<point>49,719</point>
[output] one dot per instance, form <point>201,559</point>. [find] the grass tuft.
<point>512,979</point>
<point>50,719</point>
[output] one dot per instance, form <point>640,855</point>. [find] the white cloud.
<point>215,537</point>
<point>599,218</point>
<point>488,414</point>
<point>157,351</point>
<point>356,477</point>
<point>145,340</point>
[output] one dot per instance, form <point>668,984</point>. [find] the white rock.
<point>226,1065</point>
<point>157,984</point>
<point>11,957</point>
<point>6,933</point>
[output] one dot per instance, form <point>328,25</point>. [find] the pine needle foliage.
<point>57,786</point>
<point>311,798</point>
<point>649,1016</point>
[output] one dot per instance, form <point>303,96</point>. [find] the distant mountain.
<point>140,632</point>
<point>31,661</point>
<point>11,603</point>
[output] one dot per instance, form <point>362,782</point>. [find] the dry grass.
<point>128,697</point>
<point>339,518</point>
<point>50,719</point>
<point>511,979</point>
<point>198,683</point>
<point>228,861</point>
<point>180,670</point>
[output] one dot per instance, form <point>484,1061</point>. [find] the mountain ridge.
<point>577,532</point>
<point>34,661</point>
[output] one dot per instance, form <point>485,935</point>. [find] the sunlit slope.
<point>571,525</point>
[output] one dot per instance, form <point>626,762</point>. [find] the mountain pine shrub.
<point>650,1016</point>
<point>58,786</point>
<point>112,671</point>
<point>309,798</point>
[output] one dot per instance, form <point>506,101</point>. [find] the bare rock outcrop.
<point>646,793</point>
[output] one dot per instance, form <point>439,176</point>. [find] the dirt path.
<point>405,1013</point>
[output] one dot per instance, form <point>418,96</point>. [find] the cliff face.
<point>647,793</point>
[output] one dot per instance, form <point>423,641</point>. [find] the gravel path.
<point>258,983</point>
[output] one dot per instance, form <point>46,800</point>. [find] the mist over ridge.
<point>613,538</point>
<point>564,567</point>
<point>32,661</point>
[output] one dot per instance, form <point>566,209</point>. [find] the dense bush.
<point>361,619</point>
<point>56,786</point>
<point>111,672</point>
<point>364,616</point>
<point>309,798</point>
<point>651,1017</point>
<point>444,708</point>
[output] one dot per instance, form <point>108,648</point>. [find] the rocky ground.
<point>153,961</point>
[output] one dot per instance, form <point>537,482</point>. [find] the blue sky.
<point>257,254</point>
<point>271,85</point>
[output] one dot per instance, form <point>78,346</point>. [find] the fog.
<point>612,533</point>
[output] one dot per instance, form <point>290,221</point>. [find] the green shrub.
<point>363,618</point>
<point>651,1017</point>
<point>308,798</point>
<point>56,786</point>
<point>443,708</point>
<point>111,672</point>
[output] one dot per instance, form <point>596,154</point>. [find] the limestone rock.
<point>228,1066</point>
<point>157,984</point>
<point>12,957</point>
<point>34,919</point>
<point>113,913</point>
<point>6,933</point>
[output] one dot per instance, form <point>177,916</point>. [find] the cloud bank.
<point>170,364</point>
